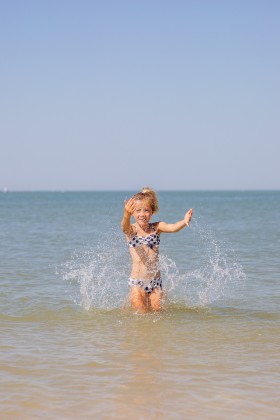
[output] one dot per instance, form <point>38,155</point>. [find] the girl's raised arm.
<point>175,227</point>
<point>129,208</point>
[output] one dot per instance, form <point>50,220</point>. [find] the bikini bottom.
<point>147,285</point>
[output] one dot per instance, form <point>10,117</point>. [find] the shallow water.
<point>72,348</point>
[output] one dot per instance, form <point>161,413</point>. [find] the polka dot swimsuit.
<point>150,240</point>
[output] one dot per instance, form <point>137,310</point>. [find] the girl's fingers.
<point>188,216</point>
<point>128,202</point>
<point>129,205</point>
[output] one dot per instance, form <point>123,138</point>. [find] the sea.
<point>71,347</point>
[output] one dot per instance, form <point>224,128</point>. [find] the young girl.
<point>143,240</point>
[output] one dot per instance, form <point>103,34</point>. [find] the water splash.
<point>102,272</point>
<point>219,272</point>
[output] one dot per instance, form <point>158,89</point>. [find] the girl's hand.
<point>129,206</point>
<point>188,217</point>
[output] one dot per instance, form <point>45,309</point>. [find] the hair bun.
<point>147,190</point>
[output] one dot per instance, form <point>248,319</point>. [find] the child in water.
<point>143,240</point>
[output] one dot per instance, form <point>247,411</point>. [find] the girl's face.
<point>143,212</point>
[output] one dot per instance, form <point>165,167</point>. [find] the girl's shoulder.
<point>155,225</point>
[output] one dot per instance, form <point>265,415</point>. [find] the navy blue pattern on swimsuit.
<point>147,285</point>
<point>150,240</point>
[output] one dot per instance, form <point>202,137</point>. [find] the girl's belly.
<point>145,263</point>
<point>140,271</point>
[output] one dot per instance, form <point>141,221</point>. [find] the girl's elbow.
<point>125,230</point>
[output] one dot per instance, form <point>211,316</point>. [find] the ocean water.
<point>72,348</point>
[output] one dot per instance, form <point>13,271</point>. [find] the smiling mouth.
<point>142,221</point>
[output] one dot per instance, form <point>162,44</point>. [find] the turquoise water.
<point>72,348</point>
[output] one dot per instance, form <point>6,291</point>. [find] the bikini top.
<point>150,240</point>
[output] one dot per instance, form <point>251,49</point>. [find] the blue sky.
<point>118,94</point>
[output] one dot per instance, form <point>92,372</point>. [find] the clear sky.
<point>117,94</point>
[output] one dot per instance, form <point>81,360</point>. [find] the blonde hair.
<point>148,194</point>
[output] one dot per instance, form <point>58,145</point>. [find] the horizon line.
<point>5,191</point>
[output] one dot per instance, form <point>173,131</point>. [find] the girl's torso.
<point>144,253</point>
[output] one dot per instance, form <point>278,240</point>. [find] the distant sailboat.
<point>5,189</point>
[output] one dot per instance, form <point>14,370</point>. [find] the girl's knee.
<point>137,297</point>
<point>156,299</point>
